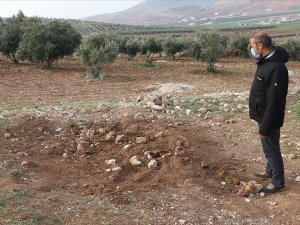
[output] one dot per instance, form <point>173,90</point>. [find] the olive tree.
<point>172,46</point>
<point>96,50</point>
<point>292,45</point>
<point>208,48</point>
<point>240,43</point>
<point>122,45</point>
<point>10,36</point>
<point>150,46</point>
<point>48,42</point>
<point>132,48</point>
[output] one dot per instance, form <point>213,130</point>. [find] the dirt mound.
<point>168,88</point>
<point>75,155</point>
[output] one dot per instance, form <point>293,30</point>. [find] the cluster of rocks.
<point>91,140</point>
<point>154,102</point>
<point>203,107</point>
<point>250,188</point>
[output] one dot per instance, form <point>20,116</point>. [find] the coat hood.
<point>278,54</point>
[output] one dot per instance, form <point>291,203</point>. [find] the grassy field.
<point>292,26</point>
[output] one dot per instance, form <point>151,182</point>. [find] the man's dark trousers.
<point>271,148</point>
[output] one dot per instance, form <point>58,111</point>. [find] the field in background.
<point>203,141</point>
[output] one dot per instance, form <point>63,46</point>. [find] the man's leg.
<point>269,169</point>
<point>271,148</point>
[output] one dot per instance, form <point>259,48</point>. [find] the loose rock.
<point>250,187</point>
<point>110,162</point>
<point>128,147</point>
<point>141,140</point>
<point>204,164</point>
<point>120,139</point>
<point>135,161</point>
<point>115,169</point>
<point>25,163</point>
<point>188,112</point>
<point>152,164</point>
<point>202,110</point>
<point>297,178</point>
<point>140,98</point>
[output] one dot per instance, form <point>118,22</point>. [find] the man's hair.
<point>264,38</point>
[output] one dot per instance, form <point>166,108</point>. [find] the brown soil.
<point>46,112</point>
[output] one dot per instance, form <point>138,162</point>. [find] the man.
<point>267,105</point>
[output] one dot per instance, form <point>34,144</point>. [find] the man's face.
<point>256,46</point>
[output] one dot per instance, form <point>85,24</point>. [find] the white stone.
<point>177,107</point>
<point>262,194</point>
<point>291,156</point>
<point>115,169</point>
<point>247,200</point>
<point>7,135</point>
<point>182,221</point>
<point>59,129</point>
<point>101,131</point>
<point>141,140</point>
<point>202,110</point>
<point>120,139</point>
<point>110,162</point>
<point>25,163</point>
<point>223,183</point>
<point>127,147</point>
<point>297,178</point>
<point>157,107</point>
<point>240,106</point>
<point>158,134</point>
<point>65,155</point>
<point>135,161</point>
<point>108,170</point>
<point>140,98</point>
<point>152,164</point>
<point>259,160</point>
<point>188,112</point>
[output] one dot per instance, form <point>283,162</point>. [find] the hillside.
<point>160,12</point>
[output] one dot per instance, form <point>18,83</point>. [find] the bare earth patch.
<point>67,144</point>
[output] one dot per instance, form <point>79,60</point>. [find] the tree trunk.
<point>13,58</point>
<point>148,59</point>
<point>49,62</point>
<point>210,67</point>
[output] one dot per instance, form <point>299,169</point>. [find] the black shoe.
<point>270,188</point>
<point>263,176</point>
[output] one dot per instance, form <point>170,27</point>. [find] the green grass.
<point>296,109</point>
<point>291,26</point>
<point>294,8</point>
<point>4,124</point>
<point>3,200</point>
<point>11,111</point>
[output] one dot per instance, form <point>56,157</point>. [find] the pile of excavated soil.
<point>72,155</point>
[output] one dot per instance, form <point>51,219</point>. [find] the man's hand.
<point>262,136</point>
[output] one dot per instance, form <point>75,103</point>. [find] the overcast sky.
<point>64,9</point>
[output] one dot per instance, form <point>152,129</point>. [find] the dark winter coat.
<point>269,90</point>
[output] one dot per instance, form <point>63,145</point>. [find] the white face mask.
<point>254,54</point>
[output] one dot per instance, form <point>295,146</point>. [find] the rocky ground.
<point>163,145</point>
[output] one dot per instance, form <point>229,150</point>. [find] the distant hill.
<point>161,12</point>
